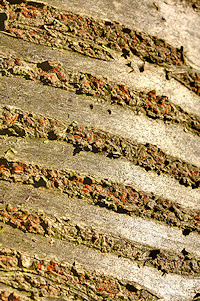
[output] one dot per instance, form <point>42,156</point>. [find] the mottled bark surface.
<point>99,150</point>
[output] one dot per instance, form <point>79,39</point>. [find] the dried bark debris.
<point>65,229</point>
<point>39,23</point>
<point>15,122</point>
<point>118,197</point>
<point>23,277</point>
<point>43,278</point>
<point>42,24</point>
<point>53,74</point>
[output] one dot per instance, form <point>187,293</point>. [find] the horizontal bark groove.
<point>117,197</point>
<point>53,74</point>
<point>42,24</point>
<point>59,280</point>
<point>15,122</point>
<point>48,225</point>
<point>99,154</point>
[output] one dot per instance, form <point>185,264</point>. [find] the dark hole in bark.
<point>194,6</point>
<point>154,253</point>
<point>8,132</point>
<point>87,181</point>
<point>3,18</point>
<point>131,288</point>
<point>77,150</point>
<point>186,231</point>
<point>126,30</point>
<point>184,252</point>
<point>125,53</point>
<point>167,75</point>
<point>36,4</point>
<point>4,162</point>
<point>52,135</point>
<point>141,68</point>
<point>171,209</point>
<point>108,23</point>
<point>45,66</point>
<point>40,183</point>
<point>197,297</point>
<point>95,149</point>
<point>56,184</point>
<point>192,84</point>
<point>15,1</point>
<point>122,210</point>
<point>72,178</point>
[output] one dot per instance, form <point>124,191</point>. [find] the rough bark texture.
<point>99,150</point>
